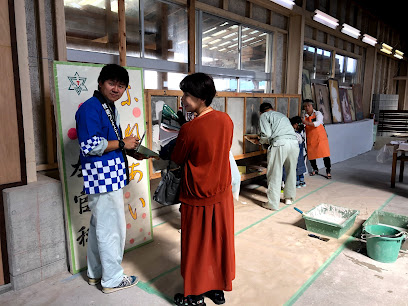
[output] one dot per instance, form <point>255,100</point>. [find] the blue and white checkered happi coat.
<point>103,173</point>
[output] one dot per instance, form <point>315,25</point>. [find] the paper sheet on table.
<point>403,146</point>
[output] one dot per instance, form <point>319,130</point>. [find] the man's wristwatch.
<point>121,144</point>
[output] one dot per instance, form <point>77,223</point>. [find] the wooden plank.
<point>148,108</point>
<point>49,114</point>
<point>60,27</point>
<point>247,176</point>
<point>43,167</point>
<point>252,154</point>
<point>225,5</point>
<point>191,20</point>
<point>122,32</point>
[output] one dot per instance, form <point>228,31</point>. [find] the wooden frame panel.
<point>149,93</point>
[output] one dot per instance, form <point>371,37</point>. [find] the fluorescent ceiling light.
<point>249,39</point>
<point>255,42</point>
<point>229,35</point>
<point>212,29</point>
<point>325,19</point>
<point>224,43</point>
<point>386,49</point>
<point>214,41</point>
<point>219,32</point>
<point>398,54</point>
<point>285,3</point>
<point>350,31</point>
<point>369,40</point>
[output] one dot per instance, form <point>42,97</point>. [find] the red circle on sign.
<point>136,112</point>
<point>72,134</point>
<point>128,225</point>
<point>127,195</point>
<point>144,216</point>
<point>132,241</point>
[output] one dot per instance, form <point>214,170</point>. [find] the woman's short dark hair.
<point>265,106</point>
<point>114,72</point>
<point>199,85</point>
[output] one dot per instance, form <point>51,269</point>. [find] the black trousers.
<point>326,161</point>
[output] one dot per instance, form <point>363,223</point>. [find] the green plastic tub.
<point>330,220</point>
<point>383,249</point>
<point>398,222</point>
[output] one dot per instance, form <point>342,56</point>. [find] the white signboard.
<point>75,83</point>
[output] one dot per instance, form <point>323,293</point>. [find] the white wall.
<point>347,140</point>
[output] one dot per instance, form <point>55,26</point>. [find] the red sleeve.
<point>181,150</point>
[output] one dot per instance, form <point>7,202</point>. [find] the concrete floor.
<point>277,263</point>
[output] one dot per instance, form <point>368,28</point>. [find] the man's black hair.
<point>199,85</point>
<point>295,119</point>
<point>114,72</point>
<point>265,106</point>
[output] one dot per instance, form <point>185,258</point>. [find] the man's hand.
<point>131,142</point>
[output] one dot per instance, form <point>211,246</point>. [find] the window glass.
<point>165,27</point>
<point>351,71</point>
<point>308,60</point>
<point>339,67</point>
<point>162,80</point>
<point>318,62</point>
<point>225,83</point>
<point>346,69</point>
<point>323,64</point>
<point>93,25</point>
<point>219,43</point>
<point>248,85</point>
<point>254,49</point>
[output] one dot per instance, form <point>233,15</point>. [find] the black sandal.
<point>314,172</point>
<point>217,296</point>
<point>189,300</point>
<point>328,176</point>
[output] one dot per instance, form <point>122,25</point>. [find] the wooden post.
<point>191,4</point>
<point>122,32</point>
<point>60,30</point>
<point>295,53</point>
<point>49,114</point>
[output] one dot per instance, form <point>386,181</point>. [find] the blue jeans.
<point>299,179</point>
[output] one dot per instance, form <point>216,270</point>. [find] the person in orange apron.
<point>316,138</point>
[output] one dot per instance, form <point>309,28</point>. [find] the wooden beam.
<point>51,147</point>
<point>191,20</point>
<point>122,32</point>
<point>225,5</point>
<point>61,34</point>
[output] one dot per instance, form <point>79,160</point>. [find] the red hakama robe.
<point>207,206</point>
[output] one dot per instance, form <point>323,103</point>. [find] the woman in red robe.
<point>207,206</point>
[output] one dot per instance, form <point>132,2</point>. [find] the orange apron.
<point>316,139</point>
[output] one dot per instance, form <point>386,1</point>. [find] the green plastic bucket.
<point>383,249</point>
